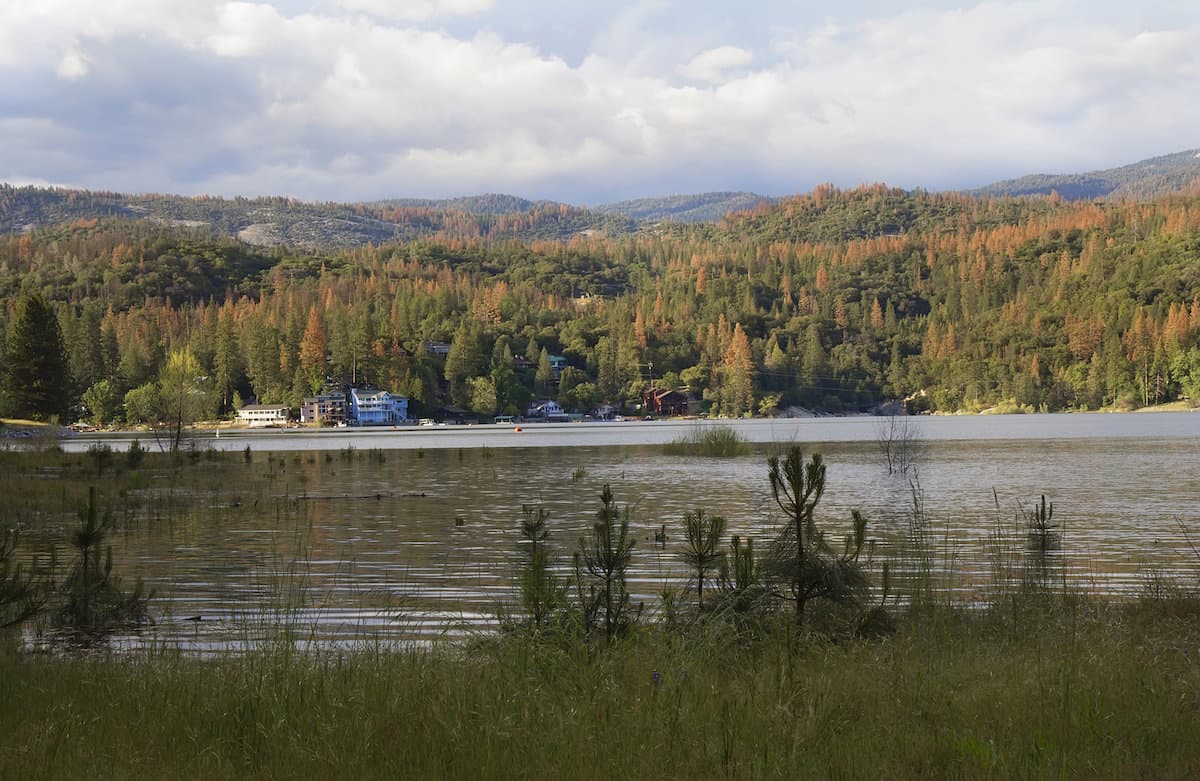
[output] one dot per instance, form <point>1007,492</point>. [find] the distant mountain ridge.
<point>1148,178</point>
<point>701,207</point>
<point>488,203</point>
<point>274,221</point>
<point>270,221</point>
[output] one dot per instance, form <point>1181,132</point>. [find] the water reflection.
<point>422,542</point>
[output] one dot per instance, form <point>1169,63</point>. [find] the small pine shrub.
<point>93,602</point>
<point>135,455</point>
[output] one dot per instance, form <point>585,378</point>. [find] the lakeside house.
<point>327,409</point>
<point>456,415</point>
<point>665,402</point>
<point>263,415</point>
<point>548,410</point>
<point>377,408</point>
<point>605,412</point>
<point>557,364</point>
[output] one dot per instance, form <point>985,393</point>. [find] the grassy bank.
<point>1044,680</point>
<point>1081,690</point>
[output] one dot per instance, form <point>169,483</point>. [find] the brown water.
<point>424,542</point>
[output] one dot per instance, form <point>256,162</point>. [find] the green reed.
<point>711,441</point>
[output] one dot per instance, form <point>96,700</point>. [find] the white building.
<point>547,410</point>
<point>264,415</point>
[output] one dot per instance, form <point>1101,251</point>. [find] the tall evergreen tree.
<point>464,361</point>
<point>112,352</point>
<point>312,351</point>
<point>545,373</point>
<point>737,384</point>
<point>37,381</point>
<point>227,361</point>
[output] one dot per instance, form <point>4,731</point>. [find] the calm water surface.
<point>422,539</point>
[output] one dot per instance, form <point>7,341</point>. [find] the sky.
<point>585,102</point>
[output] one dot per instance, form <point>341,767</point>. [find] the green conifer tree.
<point>37,381</point>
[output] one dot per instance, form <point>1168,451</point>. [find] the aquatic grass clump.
<point>712,441</point>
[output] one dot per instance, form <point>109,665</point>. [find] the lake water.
<point>413,533</point>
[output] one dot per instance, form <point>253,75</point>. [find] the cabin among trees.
<point>666,402</point>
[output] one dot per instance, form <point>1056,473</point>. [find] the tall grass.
<point>713,441</point>
<point>1100,695</point>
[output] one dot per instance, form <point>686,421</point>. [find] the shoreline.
<point>10,427</point>
<point>1166,425</point>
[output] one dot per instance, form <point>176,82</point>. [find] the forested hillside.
<point>836,301</point>
<point>703,207</point>
<point>315,226</point>
<point>1142,180</point>
<point>328,227</point>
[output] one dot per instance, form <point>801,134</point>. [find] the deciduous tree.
<point>183,395</point>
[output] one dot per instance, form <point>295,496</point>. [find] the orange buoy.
<point>517,429</point>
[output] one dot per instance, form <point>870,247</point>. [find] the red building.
<point>665,403</point>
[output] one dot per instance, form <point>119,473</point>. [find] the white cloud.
<point>254,97</point>
<point>73,65</point>
<point>21,181</point>
<point>417,10</point>
<point>712,65</point>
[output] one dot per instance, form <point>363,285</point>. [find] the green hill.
<point>289,222</point>
<point>277,221</point>
<point>1138,181</point>
<point>702,207</point>
<point>829,214</point>
<point>489,203</point>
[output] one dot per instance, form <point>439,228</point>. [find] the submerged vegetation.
<point>789,651</point>
<point>712,441</point>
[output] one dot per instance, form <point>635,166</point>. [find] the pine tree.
<point>802,556</point>
<point>605,555</point>
<point>545,373</point>
<point>227,361</point>
<point>464,361</point>
<point>737,386</point>
<point>312,351</point>
<point>37,380</point>
<point>703,541</point>
<point>112,353</point>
